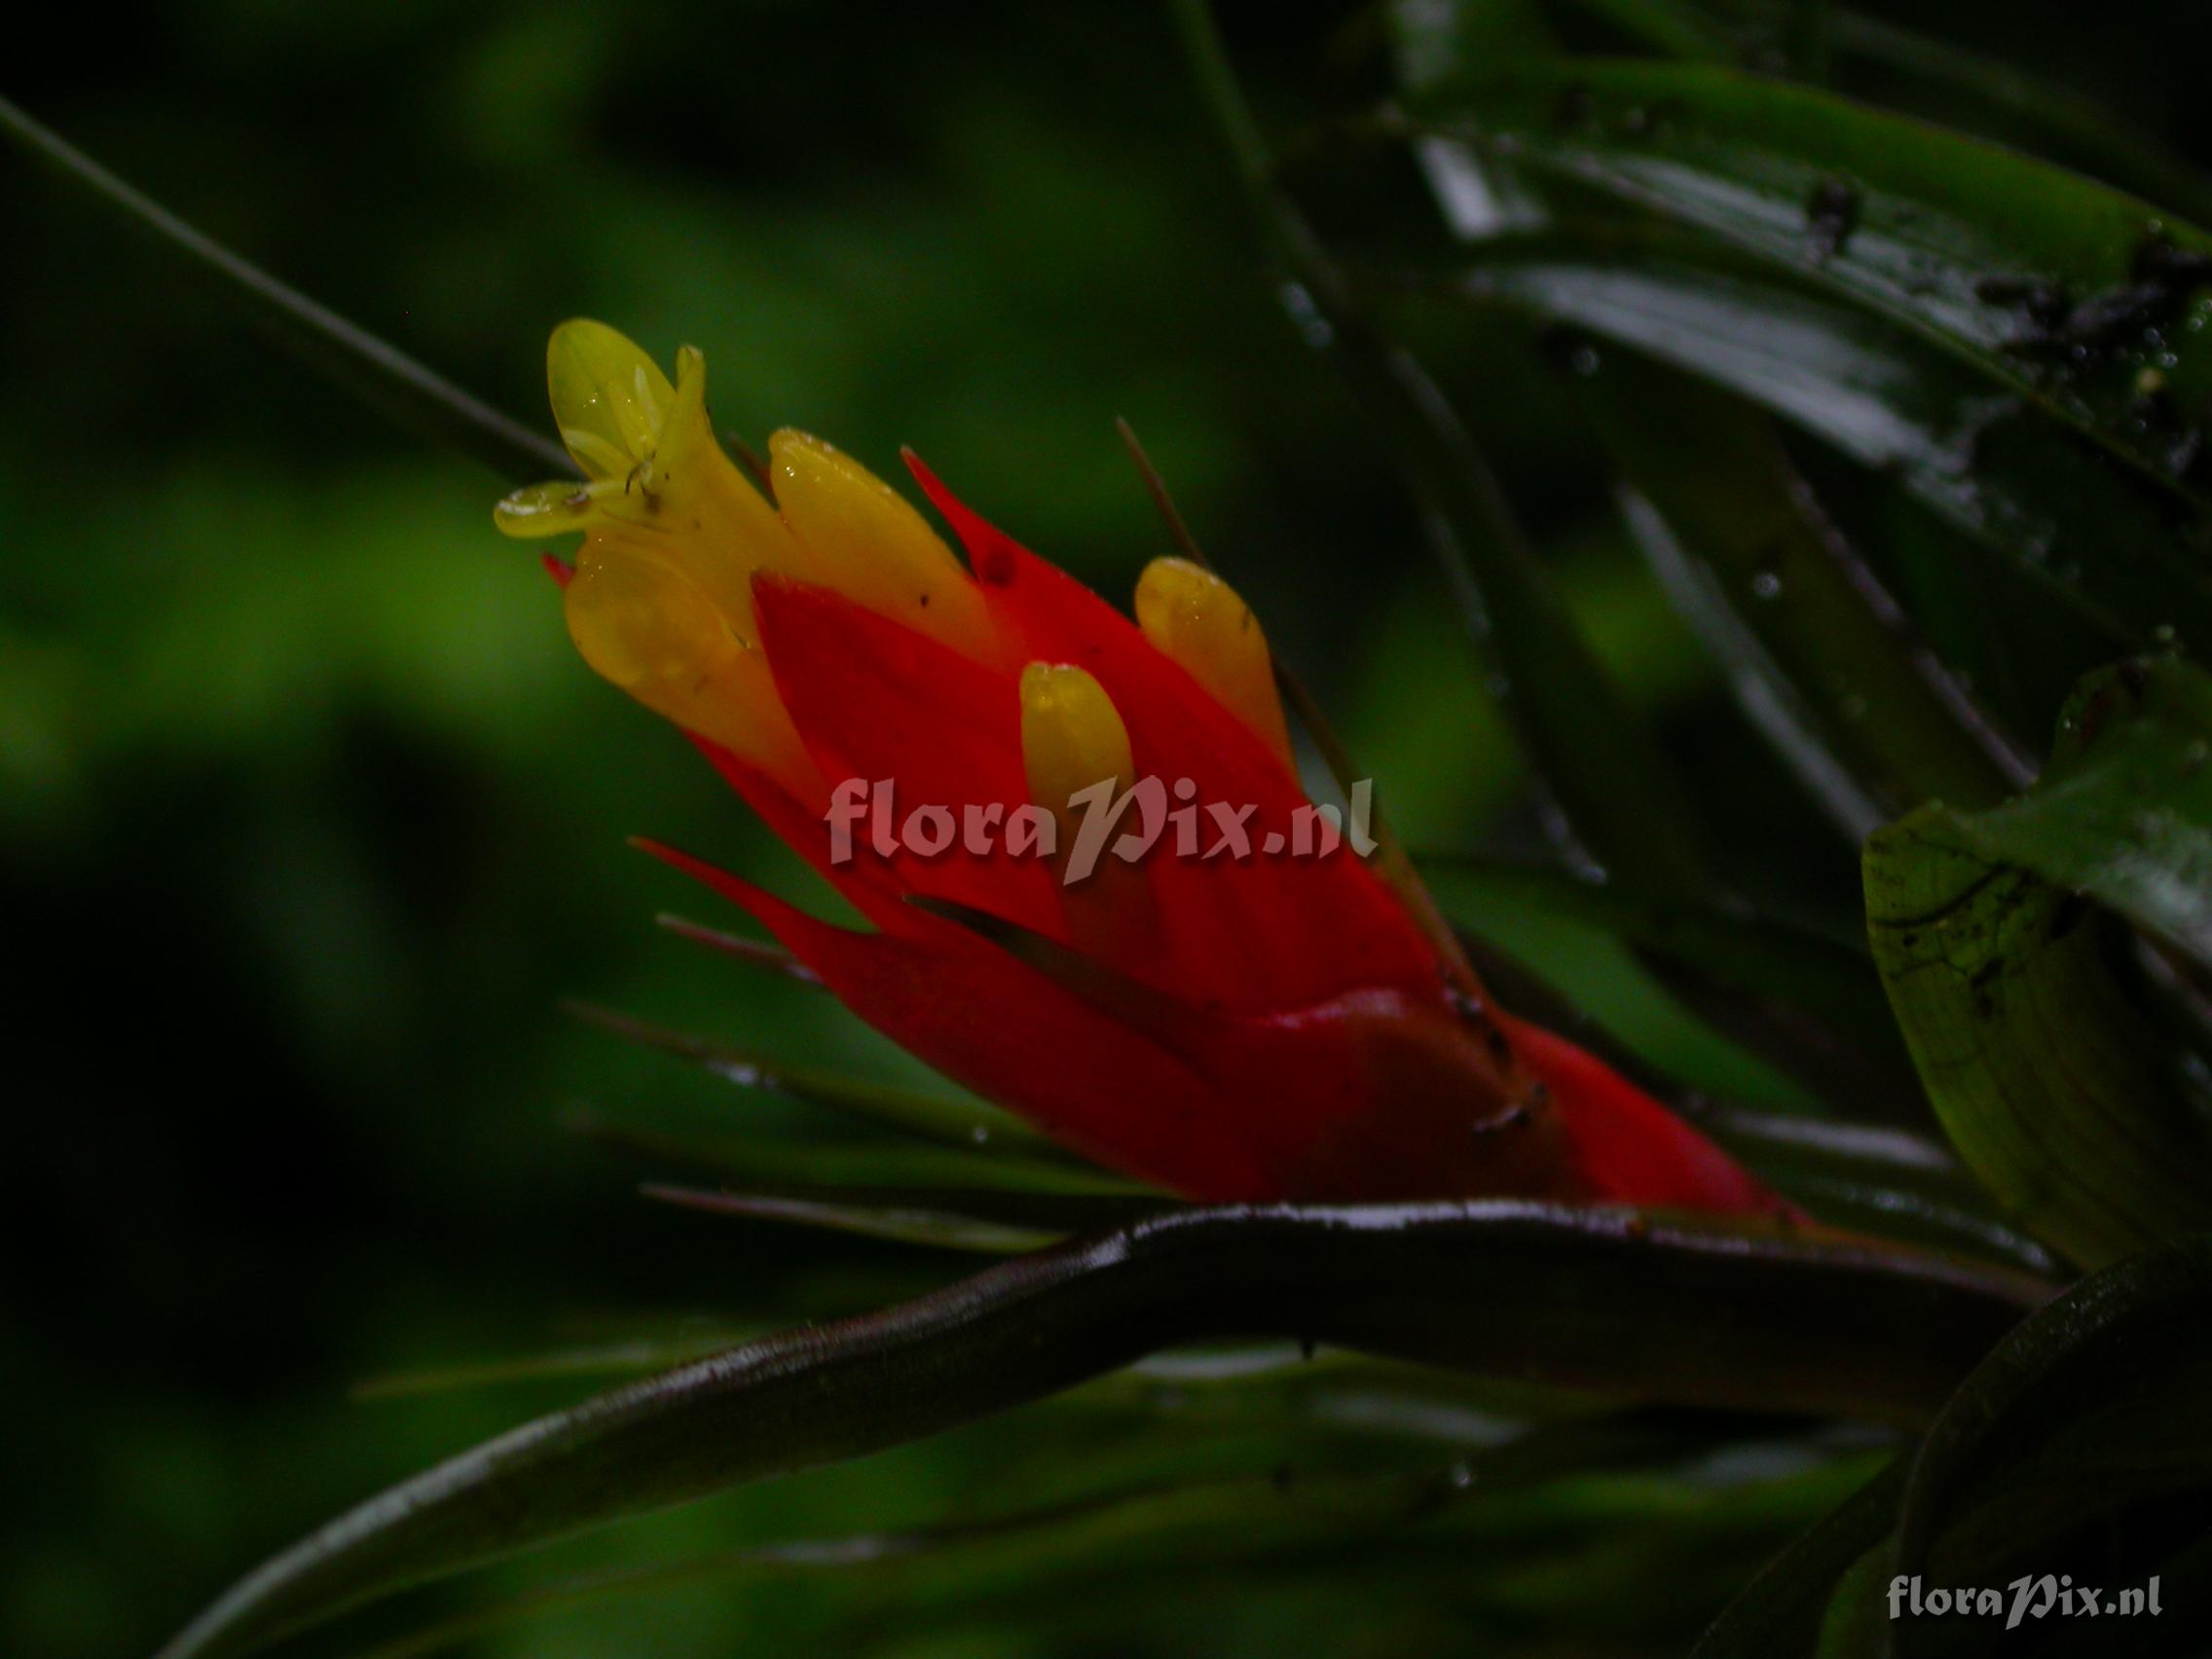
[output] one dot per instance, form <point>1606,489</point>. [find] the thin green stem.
<point>379,375</point>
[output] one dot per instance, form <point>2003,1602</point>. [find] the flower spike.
<point>1247,1016</point>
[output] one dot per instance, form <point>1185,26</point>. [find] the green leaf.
<point>929,1574</point>
<point>1687,31</point>
<point>598,1359</point>
<point>1433,43</point>
<point>1806,1003</point>
<point>1619,801</point>
<point>2048,1077</point>
<point>1819,656</point>
<point>1949,239</point>
<point>2084,529</point>
<point>1781,1611</point>
<point>1917,74</point>
<point>760,1164</point>
<point>1856,1623</point>
<point>1818,653</point>
<point>970,1125</point>
<point>1583,1297</point>
<point>2022,655</point>
<point>2145,1319</point>
<point>380,376</point>
<point>1913,1217</point>
<point>1076,1554</point>
<point>2123,813</point>
<point>979,1219</point>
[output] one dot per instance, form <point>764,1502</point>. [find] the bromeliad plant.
<point>1909,426</point>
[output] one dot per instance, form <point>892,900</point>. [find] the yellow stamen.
<point>1072,737</point>
<point>652,631</point>
<point>1195,619</point>
<point>867,540</point>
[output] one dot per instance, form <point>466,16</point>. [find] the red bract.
<point>1271,1024</point>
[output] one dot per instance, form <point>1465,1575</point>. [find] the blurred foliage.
<point>308,818</point>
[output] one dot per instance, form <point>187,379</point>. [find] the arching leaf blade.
<point>1781,1611</point>
<point>971,1127</point>
<point>2044,1071</point>
<point>2145,1318</point>
<point>1586,1297</point>
<point>1940,235</point>
<point>2085,530</point>
<point>1618,798</point>
<point>1817,650</point>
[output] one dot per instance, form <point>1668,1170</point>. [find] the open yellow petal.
<point>648,628</point>
<point>610,399</point>
<point>1195,619</point>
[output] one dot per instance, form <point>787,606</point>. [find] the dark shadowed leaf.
<point>2145,1320</point>
<point>1883,62</point>
<point>932,1575</point>
<point>1819,654</point>
<point>1583,1297</point>
<point>970,1124</point>
<point>759,1162</point>
<point>1435,1530</point>
<point>627,1357</point>
<point>2051,287</point>
<point>1963,1226</point>
<point>1812,645</point>
<point>1781,1611</point>
<point>1856,1625</point>
<point>1987,617</point>
<point>1805,1001</point>
<point>2081,525</point>
<point>1917,74</point>
<point>1875,1179</point>
<point>996,1222</point>
<point>1619,800</point>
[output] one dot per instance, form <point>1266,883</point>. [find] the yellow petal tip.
<point>1199,622</point>
<point>610,399</point>
<point>1072,736</point>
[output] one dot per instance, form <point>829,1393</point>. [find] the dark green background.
<point>309,815</point>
